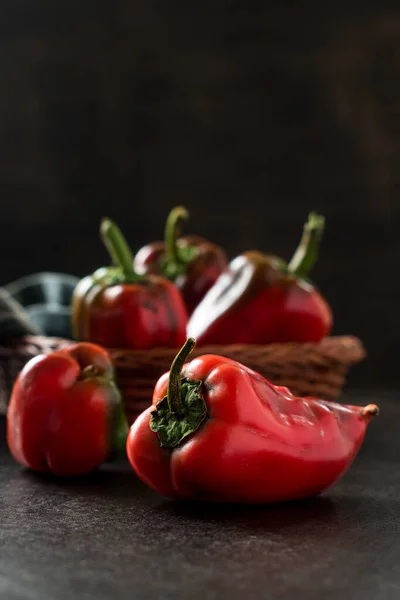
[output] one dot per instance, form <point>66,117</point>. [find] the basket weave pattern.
<point>312,369</point>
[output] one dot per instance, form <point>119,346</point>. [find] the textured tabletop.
<point>108,536</point>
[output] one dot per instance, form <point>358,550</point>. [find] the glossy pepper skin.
<point>218,431</point>
<point>259,299</point>
<point>65,414</point>
<point>118,308</point>
<point>191,262</point>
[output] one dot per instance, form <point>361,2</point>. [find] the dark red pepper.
<point>65,414</point>
<point>259,299</point>
<point>191,262</point>
<point>118,308</point>
<point>220,432</point>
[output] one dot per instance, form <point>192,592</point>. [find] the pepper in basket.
<point>191,262</point>
<point>259,299</point>
<point>118,308</point>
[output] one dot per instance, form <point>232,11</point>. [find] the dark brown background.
<point>249,113</point>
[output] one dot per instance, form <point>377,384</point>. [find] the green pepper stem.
<point>174,382</point>
<point>172,232</point>
<point>307,251</point>
<point>118,248</point>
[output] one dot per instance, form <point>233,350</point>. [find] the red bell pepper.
<point>65,414</point>
<point>220,432</point>
<point>259,299</point>
<point>191,262</point>
<point>118,308</point>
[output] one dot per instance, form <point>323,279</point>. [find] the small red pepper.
<point>118,308</point>
<point>65,414</point>
<point>191,262</point>
<point>220,432</point>
<point>259,299</point>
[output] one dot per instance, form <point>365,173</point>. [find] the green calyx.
<point>173,428</point>
<point>176,259</point>
<point>306,254</point>
<point>121,255</point>
<point>181,412</point>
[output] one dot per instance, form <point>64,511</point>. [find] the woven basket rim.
<point>327,345</point>
<point>347,349</point>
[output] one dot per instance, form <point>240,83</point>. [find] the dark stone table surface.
<point>108,536</point>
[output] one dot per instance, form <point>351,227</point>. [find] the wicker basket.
<point>307,369</point>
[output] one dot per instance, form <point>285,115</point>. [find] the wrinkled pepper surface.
<point>220,432</point>
<point>259,299</point>
<point>191,262</point>
<point>118,308</point>
<point>65,414</point>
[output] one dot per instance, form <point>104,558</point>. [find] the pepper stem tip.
<point>118,248</point>
<point>306,253</point>
<point>315,222</point>
<point>105,225</point>
<point>172,231</point>
<point>179,212</point>
<point>371,410</point>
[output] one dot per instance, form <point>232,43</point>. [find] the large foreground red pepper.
<point>118,308</point>
<point>220,432</point>
<point>65,414</point>
<point>191,262</point>
<point>259,299</point>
